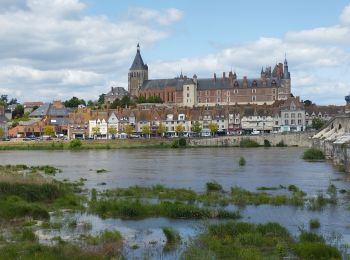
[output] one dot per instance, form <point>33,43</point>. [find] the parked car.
<point>5,139</point>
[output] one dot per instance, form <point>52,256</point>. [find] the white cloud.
<point>344,18</point>
<point>162,17</point>
<point>50,48</point>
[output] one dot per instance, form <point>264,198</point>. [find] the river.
<point>193,168</point>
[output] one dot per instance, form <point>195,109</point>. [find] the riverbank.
<point>86,144</point>
<point>292,139</point>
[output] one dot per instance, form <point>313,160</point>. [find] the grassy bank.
<point>26,192</point>
<point>87,145</point>
<point>240,240</point>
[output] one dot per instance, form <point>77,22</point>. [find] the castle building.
<point>226,90</point>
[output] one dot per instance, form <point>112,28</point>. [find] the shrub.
<point>75,144</point>
<point>267,143</point>
<point>248,143</point>
<point>281,144</point>
<point>175,144</point>
<point>293,188</point>
<point>182,142</point>
<point>313,154</point>
<point>314,223</point>
<point>213,186</point>
<point>241,161</point>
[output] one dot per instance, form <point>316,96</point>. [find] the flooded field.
<point>193,168</point>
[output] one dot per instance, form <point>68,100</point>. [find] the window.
<point>228,99</point>
<point>198,99</point>
<point>218,92</point>
<point>286,122</point>
<point>188,95</point>
<point>253,98</point>
<point>188,88</point>
<point>292,122</point>
<point>253,90</point>
<point>292,115</point>
<point>286,115</point>
<point>206,92</point>
<point>207,100</point>
<point>276,122</point>
<point>299,122</point>
<point>218,100</point>
<point>228,93</point>
<point>299,115</point>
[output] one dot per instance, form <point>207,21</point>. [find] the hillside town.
<point>182,106</point>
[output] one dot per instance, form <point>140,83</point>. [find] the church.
<point>228,89</point>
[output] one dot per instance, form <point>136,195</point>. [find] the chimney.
<point>214,77</point>
<point>223,75</point>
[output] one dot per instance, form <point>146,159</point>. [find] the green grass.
<point>213,186</point>
<point>30,250</point>
<point>313,154</point>
<point>135,209</point>
<point>241,240</point>
<point>172,237</point>
<point>25,193</point>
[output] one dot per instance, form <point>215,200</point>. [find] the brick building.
<point>228,89</point>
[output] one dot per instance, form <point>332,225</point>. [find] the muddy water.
<point>192,168</point>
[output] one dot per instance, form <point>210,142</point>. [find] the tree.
<point>90,103</point>
<point>2,132</point>
<point>74,102</point>
<point>129,129</point>
<point>125,101</point>
<point>96,130</point>
<point>18,112</point>
<point>307,103</point>
<point>213,127</point>
<point>112,131</point>
<point>146,130</point>
<point>49,130</point>
<point>12,101</point>
<point>179,129</point>
<point>141,99</point>
<point>197,128</point>
<point>161,129</point>
<point>115,104</point>
<point>101,99</point>
<point>318,123</point>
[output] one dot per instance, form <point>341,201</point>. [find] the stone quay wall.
<point>302,139</point>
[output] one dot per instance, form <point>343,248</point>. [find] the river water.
<point>193,168</point>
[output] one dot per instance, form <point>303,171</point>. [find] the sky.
<point>51,50</point>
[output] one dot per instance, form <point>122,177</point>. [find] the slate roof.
<point>207,83</point>
<point>117,91</point>
<point>138,63</point>
<point>41,111</point>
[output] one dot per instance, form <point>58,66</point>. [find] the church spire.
<point>138,47</point>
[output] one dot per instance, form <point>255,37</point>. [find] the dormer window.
<point>236,84</point>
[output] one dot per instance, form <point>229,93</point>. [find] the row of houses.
<point>282,116</point>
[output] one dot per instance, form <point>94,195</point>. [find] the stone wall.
<point>302,139</point>
<point>333,140</point>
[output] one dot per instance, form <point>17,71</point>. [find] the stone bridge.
<point>334,140</point>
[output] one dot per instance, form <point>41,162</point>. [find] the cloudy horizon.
<point>63,48</point>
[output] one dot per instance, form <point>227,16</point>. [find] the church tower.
<point>138,73</point>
